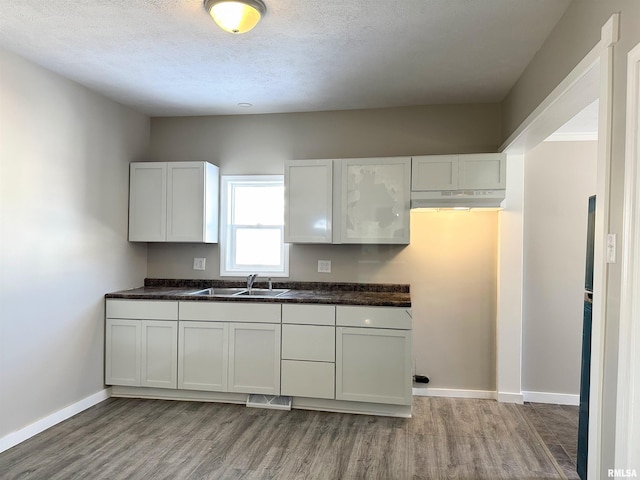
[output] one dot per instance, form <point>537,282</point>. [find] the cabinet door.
<point>122,352</point>
<point>308,187</point>
<point>434,173</point>
<point>375,200</point>
<point>147,202</point>
<point>373,365</point>
<point>483,171</point>
<point>254,358</point>
<point>185,202</point>
<point>159,354</point>
<point>308,379</point>
<point>202,356</point>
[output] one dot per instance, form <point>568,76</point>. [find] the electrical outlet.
<point>324,266</point>
<point>199,263</point>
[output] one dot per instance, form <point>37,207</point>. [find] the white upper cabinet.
<point>308,201</point>
<point>173,202</point>
<point>483,171</point>
<point>147,202</point>
<point>374,200</point>
<point>192,202</point>
<point>434,172</point>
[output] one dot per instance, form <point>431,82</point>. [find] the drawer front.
<point>308,342</point>
<point>308,379</point>
<point>142,309</point>
<point>374,317</point>
<point>231,312</point>
<point>309,314</point>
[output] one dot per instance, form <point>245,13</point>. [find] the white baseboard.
<point>453,393</point>
<point>510,397</point>
<point>555,398</point>
<point>14,438</point>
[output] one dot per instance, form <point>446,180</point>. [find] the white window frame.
<point>226,248</point>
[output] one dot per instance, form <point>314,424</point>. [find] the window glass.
<point>252,226</point>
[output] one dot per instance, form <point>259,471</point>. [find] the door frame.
<point>628,411</point>
<point>592,78</point>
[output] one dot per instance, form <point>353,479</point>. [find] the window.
<point>252,226</point>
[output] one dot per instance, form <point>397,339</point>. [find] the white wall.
<point>451,262</point>
<point>559,178</point>
<point>64,155</point>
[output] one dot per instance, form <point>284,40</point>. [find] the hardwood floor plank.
<point>155,439</point>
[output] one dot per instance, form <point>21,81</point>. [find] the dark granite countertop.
<point>387,295</point>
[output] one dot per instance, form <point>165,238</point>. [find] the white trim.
<point>572,137</point>
<point>553,398</point>
<point>583,79</point>
<point>358,408</point>
<point>628,412</point>
<point>510,397</point>
<point>453,393</point>
<point>510,292</point>
<point>19,436</point>
<point>600,267</point>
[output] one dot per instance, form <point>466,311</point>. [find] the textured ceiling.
<point>167,57</point>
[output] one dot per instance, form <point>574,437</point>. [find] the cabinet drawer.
<point>374,317</point>
<point>308,379</point>
<point>142,309</point>
<point>231,312</point>
<point>308,342</point>
<point>309,314</point>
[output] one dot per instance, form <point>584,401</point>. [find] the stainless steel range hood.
<point>458,199</point>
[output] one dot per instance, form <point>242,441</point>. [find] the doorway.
<point>590,79</point>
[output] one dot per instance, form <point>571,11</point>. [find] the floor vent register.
<point>269,401</point>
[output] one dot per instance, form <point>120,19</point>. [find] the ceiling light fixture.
<point>236,16</point>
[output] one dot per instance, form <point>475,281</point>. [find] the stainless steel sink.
<point>241,292</point>
<point>220,292</point>
<point>263,292</point>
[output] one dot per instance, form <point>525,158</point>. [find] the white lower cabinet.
<point>159,366</point>
<point>141,343</point>
<point>141,353</point>
<point>229,347</point>
<point>254,358</point>
<point>203,356</point>
<point>317,352</point>
<point>308,351</point>
<point>122,359</point>
<point>373,365</point>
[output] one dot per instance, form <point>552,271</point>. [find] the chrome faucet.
<point>250,280</point>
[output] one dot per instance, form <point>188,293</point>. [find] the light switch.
<point>199,263</point>
<point>611,248</point>
<point>324,266</point>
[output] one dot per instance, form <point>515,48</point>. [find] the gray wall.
<point>559,178</point>
<point>577,32</point>
<point>452,274</point>
<point>64,155</point>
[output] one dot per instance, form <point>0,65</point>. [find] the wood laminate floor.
<point>557,425</point>
<point>155,439</point>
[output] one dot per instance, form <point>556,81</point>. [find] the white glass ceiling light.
<point>236,16</point>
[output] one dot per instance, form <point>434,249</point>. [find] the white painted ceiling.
<point>167,57</point>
